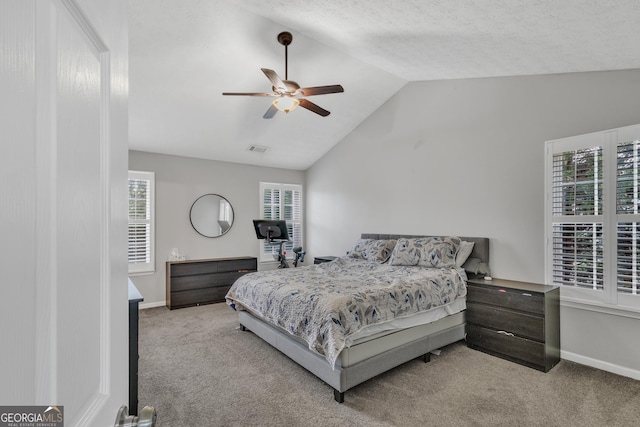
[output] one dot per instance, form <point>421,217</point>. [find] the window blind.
<point>577,193</point>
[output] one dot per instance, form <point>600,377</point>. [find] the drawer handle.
<point>509,334</point>
<point>527,295</point>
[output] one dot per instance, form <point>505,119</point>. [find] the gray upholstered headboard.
<point>480,249</point>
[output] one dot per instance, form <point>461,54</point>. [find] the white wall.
<point>466,157</point>
<point>179,182</point>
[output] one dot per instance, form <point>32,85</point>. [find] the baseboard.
<point>144,305</point>
<point>599,364</point>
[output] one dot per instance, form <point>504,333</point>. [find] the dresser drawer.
<point>528,352</point>
<point>198,296</point>
<point>186,283</point>
<point>518,323</point>
<point>513,298</point>
<point>242,265</point>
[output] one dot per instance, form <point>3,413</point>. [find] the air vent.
<point>258,148</point>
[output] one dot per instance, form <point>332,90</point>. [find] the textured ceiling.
<point>185,53</point>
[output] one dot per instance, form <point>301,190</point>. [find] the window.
<point>593,218</point>
<point>141,224</point>
<point>281,201</point>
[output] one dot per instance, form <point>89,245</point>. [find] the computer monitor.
<point>271,229</point>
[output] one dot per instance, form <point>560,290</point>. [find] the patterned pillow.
<point>373,250</point>
<point>426,252</point>
<point>405,253</point>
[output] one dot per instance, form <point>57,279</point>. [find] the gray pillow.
<point>475,266</point>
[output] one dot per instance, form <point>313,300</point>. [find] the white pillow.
<point>463,252</point>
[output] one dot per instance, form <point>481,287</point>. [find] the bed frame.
<point>341,378</point>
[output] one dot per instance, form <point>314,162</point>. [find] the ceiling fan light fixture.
<point>286,103</point>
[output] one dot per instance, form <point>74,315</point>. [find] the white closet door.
<point>63,166</point>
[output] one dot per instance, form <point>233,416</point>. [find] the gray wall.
<point>179,182</point>
<point>466,157</point>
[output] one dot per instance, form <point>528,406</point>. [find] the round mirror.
<point>211,215</point>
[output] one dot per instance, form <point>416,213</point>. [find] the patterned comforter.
<point>326,303</point>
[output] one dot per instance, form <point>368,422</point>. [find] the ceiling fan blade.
<point>274,79</point>
<point>304,103</point>
<point>270,112</point>
<point>321,90</point>
<point>249,94</point>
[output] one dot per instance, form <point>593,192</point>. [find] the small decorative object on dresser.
<point>517,321</point>
<point>321,259</point>
<point>204,281</point>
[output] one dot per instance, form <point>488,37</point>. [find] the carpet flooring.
<point>198,369</point>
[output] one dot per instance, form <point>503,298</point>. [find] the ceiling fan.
<point>288,93</point>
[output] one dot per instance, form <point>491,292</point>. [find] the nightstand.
<point>321,259</point>
<point>517,321</point>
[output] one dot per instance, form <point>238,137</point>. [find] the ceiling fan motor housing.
<point>285,38</point>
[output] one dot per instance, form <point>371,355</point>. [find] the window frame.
<point>609,295</point>
<point>143,267</point>
<point>264,255</point>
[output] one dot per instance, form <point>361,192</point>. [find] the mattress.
<point>379,329</point>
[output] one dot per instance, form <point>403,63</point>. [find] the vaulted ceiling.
<point>185,53</point>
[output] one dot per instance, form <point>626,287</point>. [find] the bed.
<point>321,316</point>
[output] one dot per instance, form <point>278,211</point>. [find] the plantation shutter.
<point>627,216</point>
<point>140,247</point>
<point>577,246</point>
<point>282,202</point>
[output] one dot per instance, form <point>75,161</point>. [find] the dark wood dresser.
<point>204,281</point>
<point>517,321</point>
